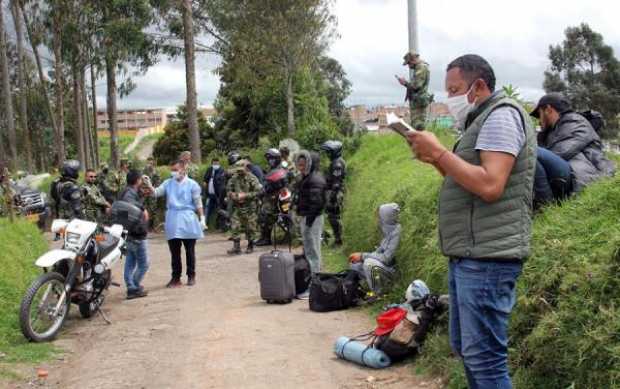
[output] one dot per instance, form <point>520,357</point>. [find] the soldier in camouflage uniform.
<point>417,89</point>
<point>190,168</point>
<point>242,190</point>
<point>335,177</point>
<point>152,203</point>
<point>94,204</point>
<point>268,213</point>
<point>102,180</point>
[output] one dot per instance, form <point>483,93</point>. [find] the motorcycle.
<point>79,273</point>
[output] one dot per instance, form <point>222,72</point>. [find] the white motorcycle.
<point>78,273</point>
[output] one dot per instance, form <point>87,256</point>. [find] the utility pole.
<point>413,28</point>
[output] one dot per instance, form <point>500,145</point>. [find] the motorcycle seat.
<point>106,246</point>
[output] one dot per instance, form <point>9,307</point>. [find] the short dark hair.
<point>133,176</point>
<point>90,171</point>
<point>216,159</point>
<point>473,67</point>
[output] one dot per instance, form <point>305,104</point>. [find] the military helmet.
<point>333,148</point>
<point>233,157</point>
<point>71,169</point>
<point>273,157</point>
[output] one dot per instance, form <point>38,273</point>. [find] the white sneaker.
<point>304,295</point>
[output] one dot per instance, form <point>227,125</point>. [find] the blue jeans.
<point>136,264</point>
<point>553,176</point>
<point>211,205</point>
<point>482,295</point>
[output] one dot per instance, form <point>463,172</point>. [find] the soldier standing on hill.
<point>95,204</point>
<point>417,89</point>
<point>334,195</point>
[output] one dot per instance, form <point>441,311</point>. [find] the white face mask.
<point>459,107</point>
<point>215,167</point>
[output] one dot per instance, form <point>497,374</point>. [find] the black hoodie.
<point>310,191</point>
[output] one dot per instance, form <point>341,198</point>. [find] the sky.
<point>514,36</point>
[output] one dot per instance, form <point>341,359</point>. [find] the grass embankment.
<point>20,244</point>
<point>565,329</point>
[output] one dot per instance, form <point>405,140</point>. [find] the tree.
<point>190,81</point>
<point>338,88</point>
<point>585,69</point>
<point>6,91</point>
<point>277,36</point>
<point>21,77</point>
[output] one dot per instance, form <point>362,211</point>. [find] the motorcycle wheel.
<point>36,317</point>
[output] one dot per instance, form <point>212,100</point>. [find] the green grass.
<point>104,147</point>
<point>565,329</point>
<point>20,244</point>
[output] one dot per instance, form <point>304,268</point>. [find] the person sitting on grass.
<point>383,257</point>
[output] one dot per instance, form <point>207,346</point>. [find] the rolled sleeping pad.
<point>361,353</point>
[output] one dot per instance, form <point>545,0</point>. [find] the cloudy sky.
<point>513,36</point>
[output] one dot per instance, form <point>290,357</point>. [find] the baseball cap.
<point>556,100</point>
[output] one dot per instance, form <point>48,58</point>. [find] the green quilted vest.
<point>472,228</point>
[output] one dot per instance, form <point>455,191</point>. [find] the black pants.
<point>190,257</point>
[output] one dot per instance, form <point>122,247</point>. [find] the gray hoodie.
<point>388,220</point>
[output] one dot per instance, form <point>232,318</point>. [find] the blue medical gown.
<point>181,218</point>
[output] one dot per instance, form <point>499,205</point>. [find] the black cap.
<point>556,100</point>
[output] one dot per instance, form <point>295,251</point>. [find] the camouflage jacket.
<point>93,202</point>
<point>243,183</point>
<point>417,88</point>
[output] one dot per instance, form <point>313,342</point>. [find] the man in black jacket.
<point>309,202</point>
<point>570,152</point>
<point>136,261</point>
<point>215,188</point>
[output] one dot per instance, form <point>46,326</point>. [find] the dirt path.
<point>217,334</point>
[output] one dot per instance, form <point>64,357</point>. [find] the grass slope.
<point>20,244</point>
<point>565,330</point>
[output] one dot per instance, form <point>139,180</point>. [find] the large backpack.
<point>129,216</point>
<point>595,118</point>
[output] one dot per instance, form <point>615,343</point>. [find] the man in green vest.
<point>485,214</point>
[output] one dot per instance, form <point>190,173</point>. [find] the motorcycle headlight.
<point>73,238</point>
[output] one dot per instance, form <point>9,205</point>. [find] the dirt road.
<point>216,334</point>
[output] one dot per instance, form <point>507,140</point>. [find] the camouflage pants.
<point>244,219</point>
<point>268,214</point>
<point>418,115</point>
<point>93,215</point>
<point>333,208</point>
<point>151,204</point>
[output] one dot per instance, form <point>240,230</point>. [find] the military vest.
<point>469,227</point>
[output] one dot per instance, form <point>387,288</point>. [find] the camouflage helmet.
<point>409,56</point>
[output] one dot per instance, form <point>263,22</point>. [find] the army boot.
<point>236,250</point>
<point>250,248</point>
<point>265,237</point>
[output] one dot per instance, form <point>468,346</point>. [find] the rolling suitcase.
<point>276,275</point>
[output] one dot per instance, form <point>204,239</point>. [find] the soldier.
<point>151,203</point>
<point>190,168</point>
<point>417,89</point>
<point>102,179</point>
<point>335,177</point>
<point>66,192</point>
<point>268,214</point>
<point>242,189</point>
<point>94,203</point>
<point>116,181</point>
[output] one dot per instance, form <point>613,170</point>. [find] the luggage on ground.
<point>331,292</point>
<point>276,274</point>
<point>303,274</point>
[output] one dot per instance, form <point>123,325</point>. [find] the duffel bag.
<point>332,292</point>
<point>303,274</point>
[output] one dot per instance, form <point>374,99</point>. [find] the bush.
<point>20,244</point>
<point>566,325</point>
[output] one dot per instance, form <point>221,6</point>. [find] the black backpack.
<point>595,118</point>
<point>332,292</point>
<point>129,216</point>
<point>303,274</point>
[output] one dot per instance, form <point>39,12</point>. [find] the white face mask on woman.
<point>459,107</point>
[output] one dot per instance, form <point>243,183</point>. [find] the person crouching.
<point>383,257</point>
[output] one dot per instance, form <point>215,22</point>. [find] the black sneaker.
<point>174,283</point>
<point>191,281</point>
